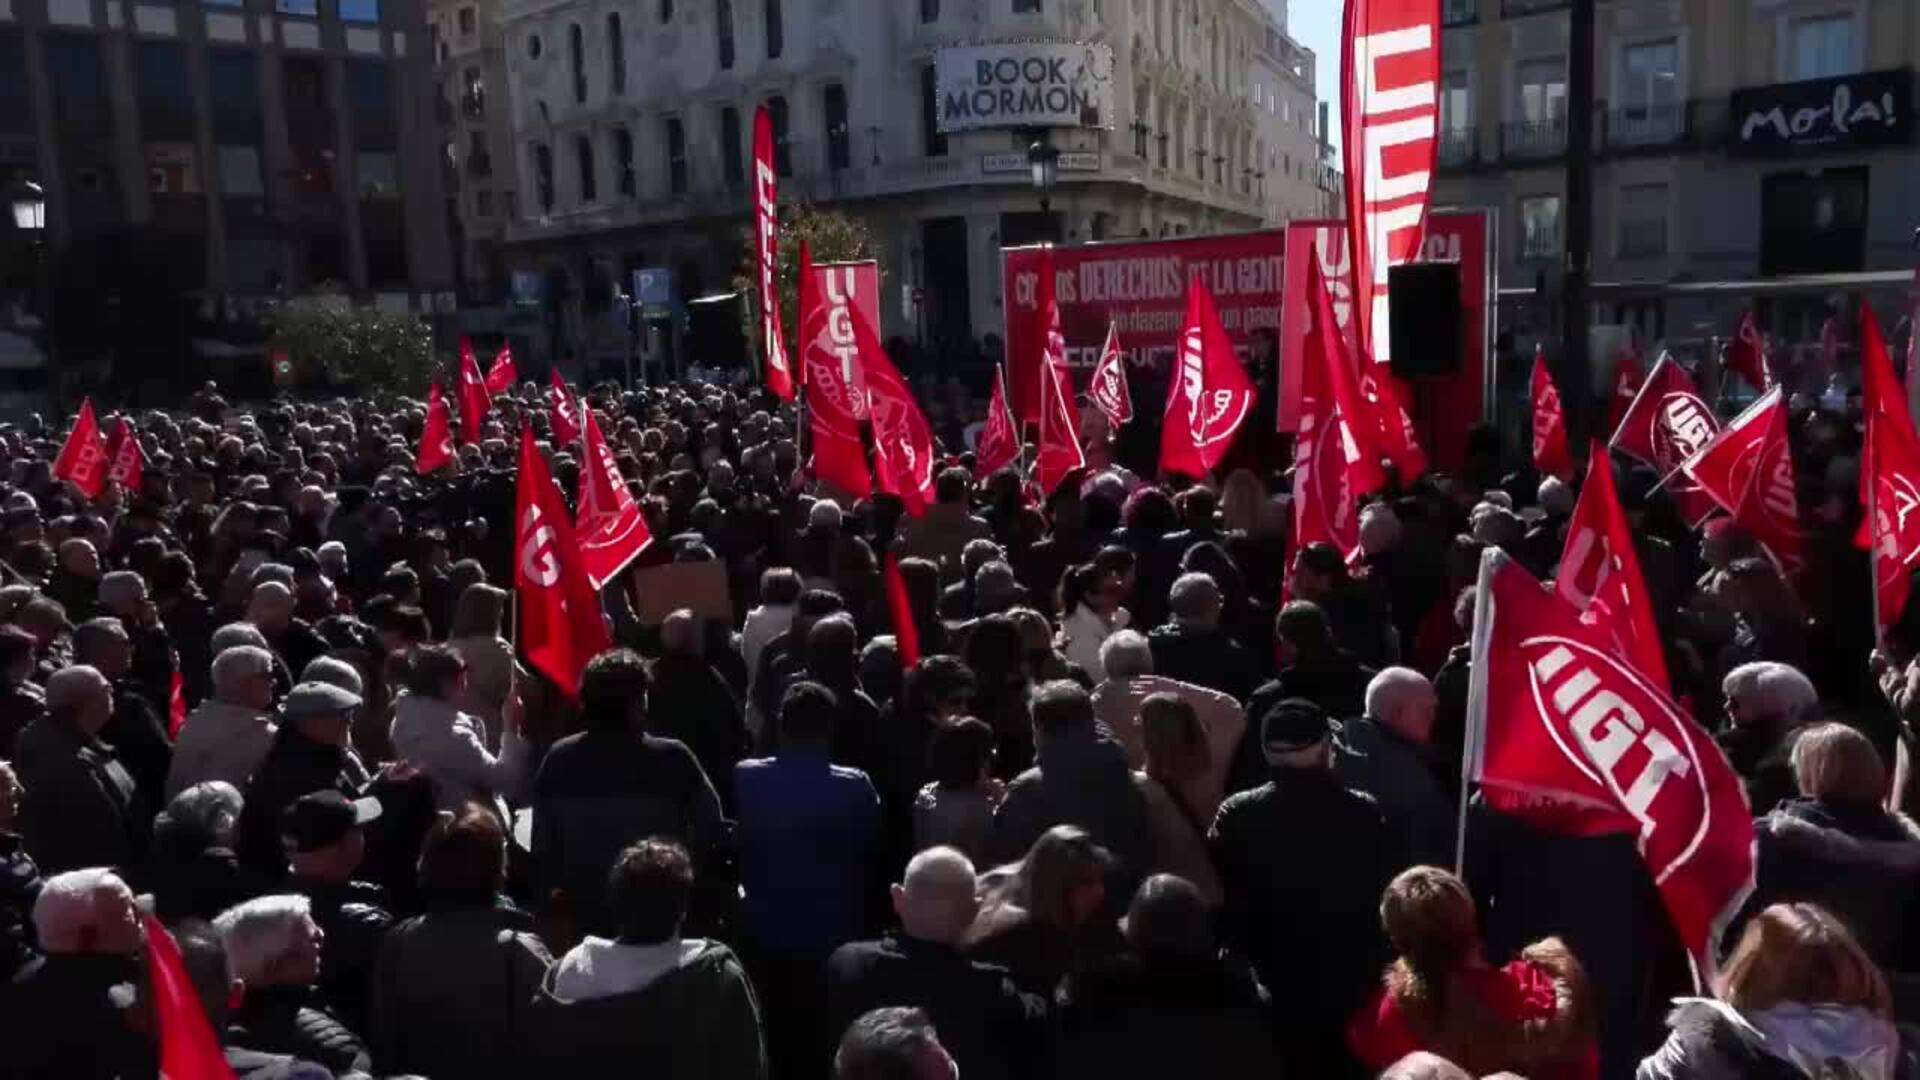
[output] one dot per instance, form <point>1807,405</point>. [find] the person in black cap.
<point>1302,861</point>
<point>324,835</point>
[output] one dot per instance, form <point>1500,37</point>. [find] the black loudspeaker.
<point>1424,318</point>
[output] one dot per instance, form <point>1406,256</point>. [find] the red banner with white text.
<point>830,352</point>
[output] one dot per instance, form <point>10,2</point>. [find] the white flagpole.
<point>1483,616</point>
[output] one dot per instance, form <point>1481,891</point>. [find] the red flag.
<point>1390,114</point>
<point>1550,454</point>
<point>127,463</point>
<point>1748,469</point>
<point>830,365</point>
<point>501,375</point>
<point>1747,354</point>
<point>560,623</point>
<point>1665,425</point>
<point>906,632</point>
<point>1060,452</point>
<point>83,460</point>
<point>176,704</point>
<point>1212,394</point>
<point>1334,460</point>
<point>1628,376</point>
<point>1600,574</point>
<point>999,445</point>
<point>1889,476</point>
<point>766,237</point>
<point>1563,734</point>
<point>189,1049</point>
<point>1108,389</point>
<point>563,412</point>
<point>1723,466</point>
<point>1393,428</point>
<point>902,441</point>
<point>611,531</point>
<point>473,397</point>
<point>436,439</point>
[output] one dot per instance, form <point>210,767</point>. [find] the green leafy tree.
<point>333,343</point>
<point>831,236</point>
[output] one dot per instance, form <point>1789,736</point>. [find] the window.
<point>473,94</point>
<point>777,115</point>
<point>1540,227</point>
<point>733,164</point>
<point>360,11</point>
<point>723,25</point>
<point>776,31</point>
<point>479,161</point>
<point>676,156</point>
<point>577,60</point>
<point>234,76</point>
<point>16,106</point>
<point>483,203</point>
<point>1455,114</point>
<point>929,11</point>
<point>1026,7</point>
<point>1643,220</point>
<point>377,173</point>
<point>543,177</point>
<point>166,93</point>
<point>370,98</point>
<point>467,19</point>
<point>309,8</point>
<point>839,145</point>
<point>1814,223</point>
<point>1543,92</point>
<point>616,55</point>
<point>623,162</point>
<point>1822,47</point>
<point>1649,93</point>
<point>240,175</point>
<point>933,142</point>
<point>79,86</point>
<point>583,165</point>
<point>533,46</point>
<point>666,11</point>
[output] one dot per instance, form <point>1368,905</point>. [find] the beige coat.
<point>219,741</point>
<point>1116,703</point>
<point>448,746</point>
<point>1179,844</point>
<point>489,679</point>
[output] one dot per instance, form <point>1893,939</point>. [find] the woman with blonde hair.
<point>1535,1016</point>
<point>1181,797</point>
<point>1799,999</point>
<point>1046,915</point>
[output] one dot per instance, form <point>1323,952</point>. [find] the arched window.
<point>583,159</point>
<point>616,54</point>
<point>577,58</point>
<point>776,31</point>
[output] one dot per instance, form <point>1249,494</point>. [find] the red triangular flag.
<point>127,463</point>
<point>1393,428</point>
<point>563,412</point>
<point>766,235</point>
<point>1108,388</point>
<point>1628,376</point>
<point>1747,354</point>
<point>1667,423</point>
<point>473,396</point>
<point>611,530</point>
<point>1566,736</point>
<point>83,460</point>
<point>1600,573</point>
<point>906,632</point>
<point>902,441</point>
<point>560,627</point>
<point>1060,452</point>
<point>436,438</point>
<point>176,703</point>
<point>1889,476</point>
<point>501,375</point>
<point>1550,454</point>
<point>1210,396</point>
<point>1335,462</point>
<point>998,445</point>
<point>1723,466</point>
<point>1748,469</point>
<point>189,1050</point>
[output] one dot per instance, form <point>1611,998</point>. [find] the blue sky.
<point>1316,24</point>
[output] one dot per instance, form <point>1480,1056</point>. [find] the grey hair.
<point>1126,654</point>
<point>335,672</point>
<point>68,905</point>
<point>237,663</point>
<point>255,933</point>
<point>1773,691</point>
<point>71,684</point>
<point>121,589</point>
<point>1193,595</point>
<point>212,807</point>
<point>235,634</point>
<point>1389,688</point>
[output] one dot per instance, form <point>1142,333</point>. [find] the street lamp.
<point>28,202</point>
<point>1044,159</point>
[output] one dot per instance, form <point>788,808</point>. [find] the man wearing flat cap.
<point>310,752</point>
<point>1303,861</point>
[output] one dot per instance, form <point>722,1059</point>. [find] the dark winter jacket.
<point>1710,1040</point>
<point>21,703</point>
<point>690,702</point>
<point>189,879</point>
<point>1141,1019</point>
<point>1859,862</point>
<point>294,766</point>
<point>1080,780</point>
<point>991,1029</point>
<point>138,736</point>
<point>80,808</point>
<point>66,1016</point>
<point>19,888</point>
<point>698,1020</point>
<point>1337,683</point>
<point>354,916</point>
<point>1205,656</point>
<point>1038,955</point>
<point>451,992</point>
<point>1370,758</point>
<point>291,1020</point>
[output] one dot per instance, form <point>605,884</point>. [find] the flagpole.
<point>1483,616</point>
<point>1873,527</point>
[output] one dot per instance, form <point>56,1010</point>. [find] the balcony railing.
<point>1646,125</point>
<point>1459,148</point>
<point>1644,238</point>
<point>1459,12</point>
<point>1534,139</point>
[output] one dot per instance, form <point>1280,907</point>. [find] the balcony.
<point>1459,148</point>
<point>1459,12</point>
<point>1534,139</point>
<point>1645,125</point>
<point>1645,238</point>
<point>1511,8</point>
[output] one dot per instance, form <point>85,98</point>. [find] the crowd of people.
<point>1159,795</point>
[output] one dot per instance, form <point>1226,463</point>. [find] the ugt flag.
<point>561,627</point>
